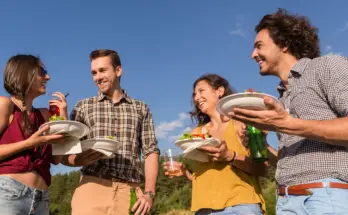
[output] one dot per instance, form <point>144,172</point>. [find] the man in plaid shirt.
<point>106,183</point>
<point>312,119</point>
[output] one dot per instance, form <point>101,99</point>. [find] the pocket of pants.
<point>304,206</point>
<point>9,189</point>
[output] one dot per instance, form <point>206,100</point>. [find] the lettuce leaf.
<point>55,118</point>
<point>190,136</point>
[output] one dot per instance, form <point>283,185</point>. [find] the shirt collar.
<point>125,97</point>
<point>300,66</point>
<point>297,70</point>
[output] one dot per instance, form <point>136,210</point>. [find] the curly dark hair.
<point>215,81</point>
<point>292,31</point>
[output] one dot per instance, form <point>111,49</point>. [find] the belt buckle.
<point>278,191</point>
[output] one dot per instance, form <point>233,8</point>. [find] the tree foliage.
<point>171,194</point>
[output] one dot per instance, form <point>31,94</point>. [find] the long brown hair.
<point>215,81</point>
<point>19,75</point>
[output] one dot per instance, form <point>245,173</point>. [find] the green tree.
<point>171,194</point>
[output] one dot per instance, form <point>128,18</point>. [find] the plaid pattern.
<point>317,90</point>
<point>130,121</point>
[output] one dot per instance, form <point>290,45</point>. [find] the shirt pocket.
<point>10,189</point>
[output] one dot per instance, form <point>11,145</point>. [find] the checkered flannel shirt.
<point>317,90</point>
<point>130,121</point>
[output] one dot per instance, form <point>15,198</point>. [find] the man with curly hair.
<point>311,121</point>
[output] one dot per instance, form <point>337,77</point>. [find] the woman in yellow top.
<point>228,184</point>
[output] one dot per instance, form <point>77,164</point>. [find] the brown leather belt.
<point>106,177</point>
<point>302,189</point>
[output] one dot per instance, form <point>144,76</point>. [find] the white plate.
<point>190,147</point>
<point>247,100</point>
<point>103,145</point>
<point>193,152</point>
<point>197,155</point>
<point>69,145</point>
<point>72,128</point>
<point>184,144</point>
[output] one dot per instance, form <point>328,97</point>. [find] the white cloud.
<point>237,32</point>
<point>183,116</point>
<point>334,53</point>
<point>329,51</point>
<point>164,128</point>
<point>345,27</point>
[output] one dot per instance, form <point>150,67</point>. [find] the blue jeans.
<point>17,198</point>
<point>328,201</point>
<point>243,209</point>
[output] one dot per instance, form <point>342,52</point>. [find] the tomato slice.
<point>199,135</point>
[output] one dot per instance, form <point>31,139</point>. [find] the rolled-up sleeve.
<point>148,137</point>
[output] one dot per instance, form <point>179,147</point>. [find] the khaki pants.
<point>105,197</point>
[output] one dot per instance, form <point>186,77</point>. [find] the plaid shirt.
<point>317,90</point>
<point>130,121</point>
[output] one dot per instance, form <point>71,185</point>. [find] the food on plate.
<point>55,118</point>
<point>111,137</point>
<point>250,90</point>
<point>191,136</point>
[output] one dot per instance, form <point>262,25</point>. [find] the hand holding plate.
<point>219,153</point>
<point>273,118</point>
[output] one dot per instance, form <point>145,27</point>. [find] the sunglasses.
<point>43,72</point>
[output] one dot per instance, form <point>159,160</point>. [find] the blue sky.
<point>164,46</point>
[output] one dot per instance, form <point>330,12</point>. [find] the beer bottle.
<point>133,199</point>
<point>258,149</point>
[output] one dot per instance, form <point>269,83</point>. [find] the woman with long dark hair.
<point>25,153</point>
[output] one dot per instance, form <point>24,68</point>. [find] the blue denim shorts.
<point>17,198</point>
<point>245,209</point>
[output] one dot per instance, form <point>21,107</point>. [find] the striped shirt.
<point>317,90</point>
<point>130,121</point>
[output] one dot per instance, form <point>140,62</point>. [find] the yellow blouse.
<point>217,185</point>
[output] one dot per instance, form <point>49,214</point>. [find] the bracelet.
<point>233,158</point>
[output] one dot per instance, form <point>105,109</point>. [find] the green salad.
<point>55,118</point>
<point>111,137</point>
<point>191,136</point>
